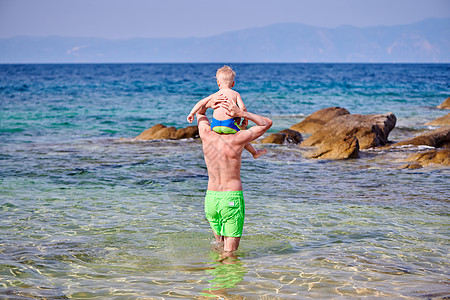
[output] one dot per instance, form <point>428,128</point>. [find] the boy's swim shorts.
<point>228,126</point>
<point>225,212</point>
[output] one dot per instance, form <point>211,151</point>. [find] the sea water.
<point>89,212</point>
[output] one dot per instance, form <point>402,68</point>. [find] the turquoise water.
<point>87,212</point>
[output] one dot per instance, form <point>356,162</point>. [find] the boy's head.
<point>225,76</point>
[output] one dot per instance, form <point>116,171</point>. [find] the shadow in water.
<point>227,270</point>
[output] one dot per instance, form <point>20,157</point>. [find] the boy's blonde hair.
<point>225,74</point>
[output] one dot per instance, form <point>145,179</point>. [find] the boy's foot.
<point>259,153</point>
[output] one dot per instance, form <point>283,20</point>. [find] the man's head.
<point>225,76</point>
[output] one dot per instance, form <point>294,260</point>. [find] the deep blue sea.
<point>87,212</point>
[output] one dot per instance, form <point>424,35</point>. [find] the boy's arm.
<point>245,136</point>
<point>241,105</point>
<point>197,107</point>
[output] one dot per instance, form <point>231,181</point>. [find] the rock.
<point>165,133</point>
<point>445,104</point>
<point>148,133</point>
<point>437,138</point>
<point>162,132</point>
<point>441,157</point>
<point>316,120</point>
<point>370,130</point>
<point>188,132</point>
<point>336,148</point>
<point>442,121</point>
<point>284,136</point>
<point>274,138</point>
<point>292,136</point>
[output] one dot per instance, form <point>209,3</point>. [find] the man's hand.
<point>232,109</point>
<point>216,101</point>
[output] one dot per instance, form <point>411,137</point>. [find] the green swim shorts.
<point>225,212</point>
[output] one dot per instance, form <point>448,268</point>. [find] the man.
<point>224,202</point>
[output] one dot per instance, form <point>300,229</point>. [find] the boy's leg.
<point>256,153</point>
<point>249,147</point>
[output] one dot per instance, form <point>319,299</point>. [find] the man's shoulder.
<point>205,132</point>
<point>235,138</point>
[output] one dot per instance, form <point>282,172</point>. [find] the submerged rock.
<point>162,132</point>
<point>437,138</point>
<point>316,120</point>
<point>411,166</point>
<point>445,104</point>
<point>284,136</point>
<point>423,159</point>
<point>442,121</point>
<point>370,130</point>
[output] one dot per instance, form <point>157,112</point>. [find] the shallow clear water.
<point>86,212</point>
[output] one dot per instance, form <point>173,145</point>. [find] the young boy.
<point>221,122</point>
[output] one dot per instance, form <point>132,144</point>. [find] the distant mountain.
<point>425,41</point>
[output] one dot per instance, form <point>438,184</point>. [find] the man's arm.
<point>202,121</point>
<point>245,136</point>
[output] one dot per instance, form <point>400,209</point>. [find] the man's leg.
<point>231,243</point>
<point>219,238</point>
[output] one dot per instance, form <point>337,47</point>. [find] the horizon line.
<point>210,63</point>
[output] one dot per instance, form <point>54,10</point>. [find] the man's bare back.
<point>223,160</point>
<point>222,154</point>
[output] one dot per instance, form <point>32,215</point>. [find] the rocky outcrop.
<point>336,148</point>
<point>316,120</point>
<point>437,138</point>
<point>370,130</point>
<point>165,133</point>
<point>188,132</point>
<point>283,137</point>
<point>445,104</point>
<point>424,159</point>
<point>148,133</point>
<point>442,121</point>
<point>162,132</point>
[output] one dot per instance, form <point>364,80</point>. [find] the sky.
<point>123,19</point>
